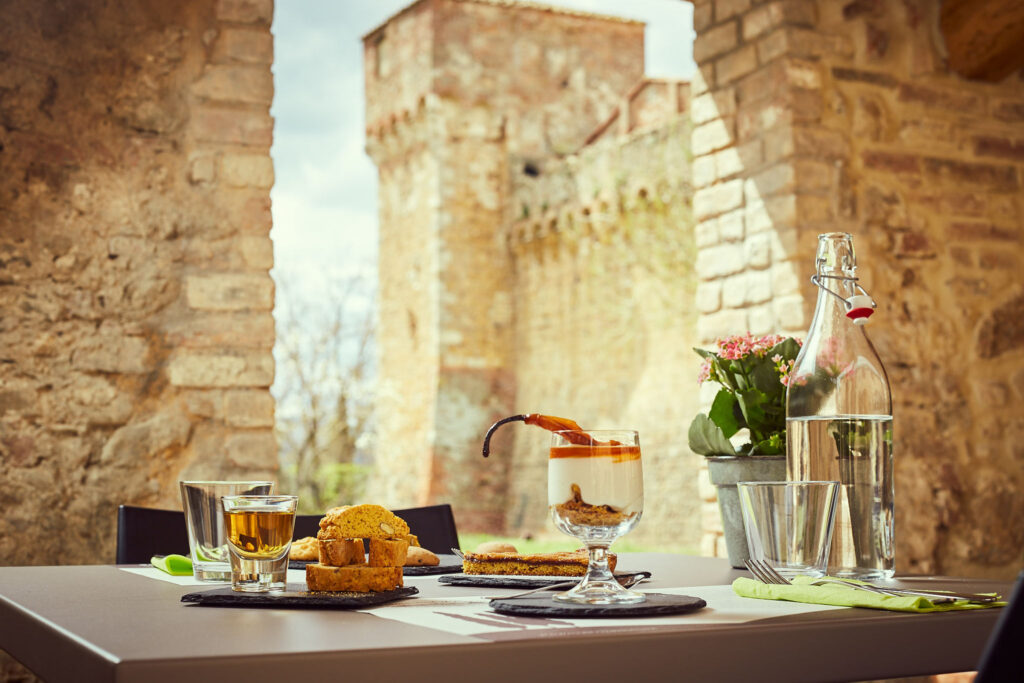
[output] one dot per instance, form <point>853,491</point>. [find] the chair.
<point>1001,660</point>
<point>144,532</point>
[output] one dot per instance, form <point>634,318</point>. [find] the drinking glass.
<point>789,523</point>
<point>259,533</point>
<point>204,519</point>
<point>596,494</point>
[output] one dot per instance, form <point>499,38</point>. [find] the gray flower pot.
<point>725,471</point>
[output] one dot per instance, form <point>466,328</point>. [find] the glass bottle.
<point>839,416</point>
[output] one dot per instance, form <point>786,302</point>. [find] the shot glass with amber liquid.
<point>259,533</point>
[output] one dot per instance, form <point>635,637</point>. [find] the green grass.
<point>544,543</point>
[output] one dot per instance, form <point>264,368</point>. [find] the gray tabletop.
<point>98,623</point>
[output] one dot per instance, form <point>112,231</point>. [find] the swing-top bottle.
<point>839,416</point>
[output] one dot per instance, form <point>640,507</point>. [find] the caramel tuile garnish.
<point>572,431</point>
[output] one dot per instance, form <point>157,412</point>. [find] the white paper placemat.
<point>473,616</point>
<point>294,576</point>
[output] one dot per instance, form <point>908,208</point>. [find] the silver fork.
<point>767,574</point>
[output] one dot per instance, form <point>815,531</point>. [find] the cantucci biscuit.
<point>421,557</point>
<point>356,579</point>
<point>303,549</point>
<point>341,552</point>
<point>385,553</point>
<point>362,521</point>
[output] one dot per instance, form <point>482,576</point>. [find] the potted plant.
<point>750,406</point>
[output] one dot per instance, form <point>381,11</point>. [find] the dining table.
<point>127,623</point>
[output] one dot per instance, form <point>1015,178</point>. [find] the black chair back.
<point>144,532</point>
<point>1001,660</point>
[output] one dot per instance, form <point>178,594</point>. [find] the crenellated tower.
<point>455,89</point>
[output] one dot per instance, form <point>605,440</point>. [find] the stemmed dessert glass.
<point>596,494</point>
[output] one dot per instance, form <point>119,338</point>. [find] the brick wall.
<point>135,300</point>
<point>821,116</point>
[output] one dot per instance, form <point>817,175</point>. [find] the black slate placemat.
<point>450,564</point>
<point>296,597</point>
<point>518,581</point>
<point>656,605</point>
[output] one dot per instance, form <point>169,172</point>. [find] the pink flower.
<point>705,371</point>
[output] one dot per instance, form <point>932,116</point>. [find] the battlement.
<point>553,74</point>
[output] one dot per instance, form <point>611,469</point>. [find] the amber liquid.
<point>259,534</point>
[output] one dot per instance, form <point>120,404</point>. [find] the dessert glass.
<point>596,494</point>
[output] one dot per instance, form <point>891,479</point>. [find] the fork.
<point>767,574</point>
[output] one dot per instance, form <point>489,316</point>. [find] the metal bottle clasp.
<point>859,307</point>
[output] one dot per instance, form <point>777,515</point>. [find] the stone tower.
<point>454,90</point>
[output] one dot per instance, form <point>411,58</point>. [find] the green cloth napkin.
<point>175,565</point>
<point>845,596</point>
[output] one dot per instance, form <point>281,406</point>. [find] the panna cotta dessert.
<point>595,485</point>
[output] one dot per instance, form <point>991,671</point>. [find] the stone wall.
<point>135,300</point>
<point>822,116</point>
<point>604,322</point>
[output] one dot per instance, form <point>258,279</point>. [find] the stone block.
<point>727,9</point>
<point>134,444</point>
<point>239,84</point>
<point>759,251</point>
<point>251,450</point>
<point>238,369</point>
<point>999,147</point>
<point>703,79</point>
<point>230,292</point>
<point>712,136</point>
<point>1007,109</point>
<point>730,161</point>
<point>762,320</point>
<point>719,261</point>
<point>704,172</point>
<point>232,126</point>
<point>246,11</point>
<point>735,65</point>
<point>202,170</point>
<point>703,14</point>
<point>715,41</point>
<point>709,544</point>
<point>247,170</point>
<point>718,199</point>
<point>777,179</point>
<point>789,312</point>
<point>758,290</point>
<point>256,251</point>
<point>253,46</point>
<point>248,408</point>
<point>734,291</point>
<point>730,226</point>
<point>709,297</point>
<point>112,353</point>
<point>705,489</point>
<point>240,329</point>
<point>994,177</point>
<point>713,105</point>
<point>785,278</point>
<point>706,233</point>
<point>772,46</point>
<point>952,99</point>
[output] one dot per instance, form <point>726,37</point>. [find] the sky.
<point>325,194</point>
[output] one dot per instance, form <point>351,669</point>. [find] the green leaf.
<point>705,354</point>
<point>788,348</point>
<point>723,413</point>
<point>706,438</point>
<point>765,377</point>
<point>750,403</point>
<point>773,445</point>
